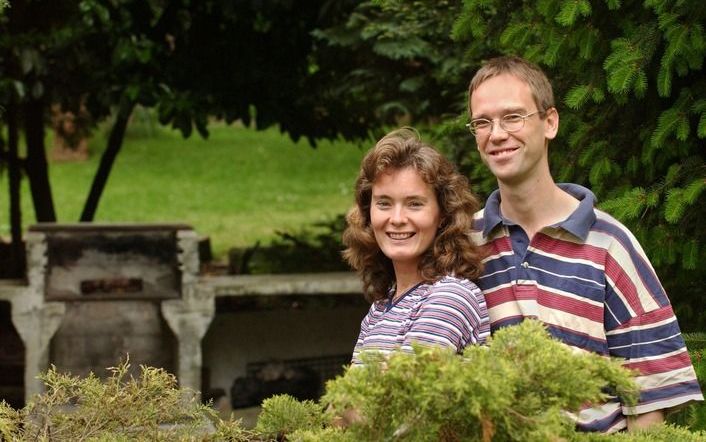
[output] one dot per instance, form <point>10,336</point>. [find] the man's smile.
<point>503,152</point>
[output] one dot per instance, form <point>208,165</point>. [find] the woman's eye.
<point>382,204</point>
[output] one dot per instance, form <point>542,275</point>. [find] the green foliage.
<point>238,187</point>
<point>659,434</point>
<point>570,11</point>
<point>513,390</point>
<point>630,75</point>
<point>121,408</point>
<point>630,86</point>
<point>283,414</point>
<point>390,63</point>
<point>694,415</point>
<point>190,61</point>
<point>316,248</point>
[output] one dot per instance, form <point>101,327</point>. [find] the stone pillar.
<point>36,321</point>
<point>190,316</point>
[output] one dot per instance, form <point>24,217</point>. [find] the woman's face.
<point>404,214</point>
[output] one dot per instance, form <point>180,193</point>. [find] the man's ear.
<point>551,123</point>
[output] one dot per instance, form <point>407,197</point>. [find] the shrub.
<point>120,408</point>
<point>516,389</point>
<point>316,248</point>
<point>694,416</point>
<point>283,414</point>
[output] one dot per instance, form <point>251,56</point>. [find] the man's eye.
<point>512,118</point>
<point>480,124</point>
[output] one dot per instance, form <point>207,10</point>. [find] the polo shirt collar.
<point>578,223</point>
<point>491,213</point>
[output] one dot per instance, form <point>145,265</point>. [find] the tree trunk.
<point>17,256</point>
<point>115,142</point>
<point>36,162</point>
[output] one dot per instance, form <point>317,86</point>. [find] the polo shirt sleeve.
<point>641,329</point>
<point>452,315</point>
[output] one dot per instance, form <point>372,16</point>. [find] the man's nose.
<point>497,132</point>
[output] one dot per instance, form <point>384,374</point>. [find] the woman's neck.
<point>406,277</point>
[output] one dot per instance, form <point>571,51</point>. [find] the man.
<point>556,258</point>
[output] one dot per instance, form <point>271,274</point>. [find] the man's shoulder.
<point>607,224</point>
<point>479,219</point>
<point>477,227</point>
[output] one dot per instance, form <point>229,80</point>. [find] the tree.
<point>190,60</point>
<point>388,63</point>
<point>629,83</point>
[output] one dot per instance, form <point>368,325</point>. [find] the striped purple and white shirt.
<point>449,313</point>
<point>589,281</point>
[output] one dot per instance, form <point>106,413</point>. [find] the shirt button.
<point>525,264</point>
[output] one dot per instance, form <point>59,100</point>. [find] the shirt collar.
<point>578,223</point>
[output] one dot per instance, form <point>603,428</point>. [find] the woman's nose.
<point>398,215</point>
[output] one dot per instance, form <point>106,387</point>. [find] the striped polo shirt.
<point>448,313</point>
<point>589,281</point>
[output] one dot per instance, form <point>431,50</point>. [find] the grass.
<point>239,186</point>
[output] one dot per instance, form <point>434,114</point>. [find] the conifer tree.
<point>630,86</point>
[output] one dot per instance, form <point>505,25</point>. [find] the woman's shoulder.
<point>451,285</point>
<point>451,280</point>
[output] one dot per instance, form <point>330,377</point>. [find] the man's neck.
<point>535,204</point>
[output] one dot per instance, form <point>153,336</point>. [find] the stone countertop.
<point>340,283</point>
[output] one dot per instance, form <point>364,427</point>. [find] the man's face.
<point>513,157</point>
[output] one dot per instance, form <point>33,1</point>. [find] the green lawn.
<point>237,187</point>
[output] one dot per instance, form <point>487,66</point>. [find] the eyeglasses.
<point>508,123</point>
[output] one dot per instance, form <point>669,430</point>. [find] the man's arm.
<point>645,420</point>
<point>642,330</point>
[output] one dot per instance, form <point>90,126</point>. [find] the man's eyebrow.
<point>503,112</point>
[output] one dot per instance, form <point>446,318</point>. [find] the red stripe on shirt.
<point>624,284</point>
<point>510,294</point>
<point>653,366</point>
<point>567,249</point>
<point>499,245</point>
<point>570,305</point>
<point>649,318</point>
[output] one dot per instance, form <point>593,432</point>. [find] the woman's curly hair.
<point>452,252</point>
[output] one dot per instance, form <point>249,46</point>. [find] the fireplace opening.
<point>12,360</point>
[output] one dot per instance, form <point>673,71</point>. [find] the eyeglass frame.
<point>500,122</point>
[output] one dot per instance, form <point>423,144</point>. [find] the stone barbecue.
<point>94,293</point>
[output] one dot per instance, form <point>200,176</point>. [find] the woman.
<point>408,238</point>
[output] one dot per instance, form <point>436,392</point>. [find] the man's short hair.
<point>524,70</point>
